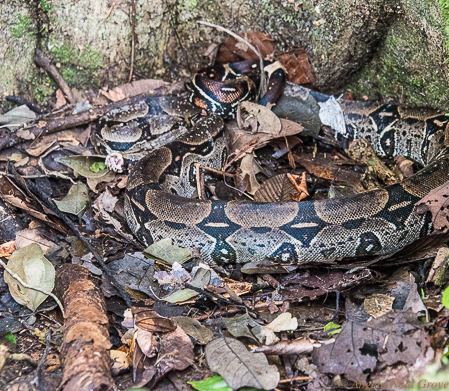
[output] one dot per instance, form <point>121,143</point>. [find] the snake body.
<point>158,203</point>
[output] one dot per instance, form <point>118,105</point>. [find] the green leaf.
<point>445,298</point>
<point>76,201</point>
<point>97,166</point>
<point>216,383</point>
<point>82,165</point>
<point>334,327</point>
<point>35,270</point>
<point>10,338</point>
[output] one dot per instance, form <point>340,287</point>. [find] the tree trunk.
<point>370,47</point>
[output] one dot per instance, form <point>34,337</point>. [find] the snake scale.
<point>160,184</point>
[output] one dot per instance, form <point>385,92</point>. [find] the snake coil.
<point>158,203</point>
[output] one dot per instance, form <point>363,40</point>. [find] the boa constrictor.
<point>158,203</point>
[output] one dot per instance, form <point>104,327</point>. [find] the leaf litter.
<point>183,306</point>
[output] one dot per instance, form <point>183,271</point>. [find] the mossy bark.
<point>371,47</point>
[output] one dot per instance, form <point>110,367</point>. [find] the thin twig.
<point>203,185</point>
<point>263,80</point>
<point>25,285</point>
<point>3,173</point>
<point>110,11</point>
<point>294,379</point>
<point>44,62</point>
<point>198,180</point>
<point>218,172</point>
<point>21,101</point>
<point>133,38</point>
<point>40,364</point>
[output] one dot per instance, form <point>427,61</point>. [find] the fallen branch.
<point>85,349</point>
<point>9,138</point>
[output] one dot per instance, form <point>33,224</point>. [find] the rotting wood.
<point>85,349</point>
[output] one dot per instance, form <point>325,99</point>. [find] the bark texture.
<point>371,47</point>
<point>85,350</point>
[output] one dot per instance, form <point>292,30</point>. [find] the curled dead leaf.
<point>437,202</point>
<point>267,121</point>
<point>150,320</point>
<point>232,50</point>
<point>299,70</point>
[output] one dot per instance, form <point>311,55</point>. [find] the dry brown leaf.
<point>276,189</point>
<point>93,182</point>
<point>240,288</point>
<point>298,67</point>
<point>395,339</point>
<point>285,145</point>
<point>22,162</point>
<point>283,322</point>
<point>319,22</point>
<point>211,52</point>
<point>119,362</point>
<point>147,342</point>
<point>244,142</point>
<point>6,249</point>
<point>325,166</point>
<point>232,50</point>
<point>107,217</point>
<point>267,121</point>
<point>28,236</point>
<point>60,99</point>
<point>25,134</point>
<point>290,127</point>
<point>437,202</point>
<point>144,86</point>
<point>200,334</point>
<point>150,320</point>
<point>143,368</point>
<point>249,168</point>
<point>238,367</point>
<point>106,201</point>
<point>175,353</point>
<point>69,137</point>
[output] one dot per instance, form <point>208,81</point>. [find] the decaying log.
<point>85,350</point>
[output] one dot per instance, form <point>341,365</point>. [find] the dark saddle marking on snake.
<point>158,203</point>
